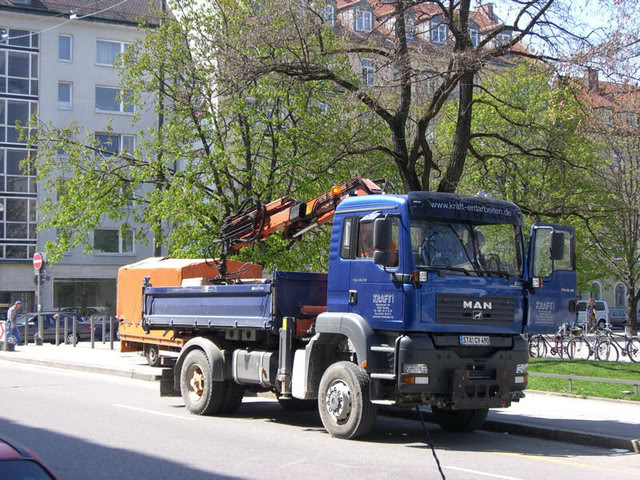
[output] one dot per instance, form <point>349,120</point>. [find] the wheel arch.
<point>214,356</point>
<point>331,328</point>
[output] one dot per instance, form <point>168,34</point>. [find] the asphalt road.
<point>100,427</point>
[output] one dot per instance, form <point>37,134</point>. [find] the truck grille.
<point>468,310</point>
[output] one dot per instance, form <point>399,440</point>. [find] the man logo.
<point>477,305</point>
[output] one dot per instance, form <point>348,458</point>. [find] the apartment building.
<point>57,62</point>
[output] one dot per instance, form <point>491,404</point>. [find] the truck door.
<point>373,294</point>
<point>551,277</point>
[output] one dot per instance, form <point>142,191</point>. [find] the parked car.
<point>83,329</point>
<point>18,463</point>
<point>618,317</point>
<point>602,313</point>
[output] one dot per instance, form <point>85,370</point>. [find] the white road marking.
<point>477,472</point>
<point>144,410</point>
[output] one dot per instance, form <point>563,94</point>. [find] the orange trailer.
<point>163,272</point>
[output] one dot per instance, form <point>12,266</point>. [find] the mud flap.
<point>481,392</point>
<point>167,384</point>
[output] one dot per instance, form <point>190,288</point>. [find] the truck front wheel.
<point>343,401</point>
<point>459,420</point>
<point>201,395</point>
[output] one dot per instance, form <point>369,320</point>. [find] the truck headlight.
<point>415,368</point>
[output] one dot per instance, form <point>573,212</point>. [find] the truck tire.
<point>459,420</point>
<point>343,401</point>
<point>201,395</point>
<point>233,400</point>
<point>152,353</point>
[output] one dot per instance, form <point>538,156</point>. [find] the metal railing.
<point>571,378</point>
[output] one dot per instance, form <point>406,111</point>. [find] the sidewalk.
<point>613,424</point>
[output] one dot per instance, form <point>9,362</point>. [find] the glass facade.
<point>19,77</point>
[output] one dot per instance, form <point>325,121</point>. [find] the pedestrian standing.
<point>591,315</point>
<point>11,322</point>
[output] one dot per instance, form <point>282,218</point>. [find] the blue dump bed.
<point>248,305</point>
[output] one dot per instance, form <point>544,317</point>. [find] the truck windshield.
<point>468,249</point>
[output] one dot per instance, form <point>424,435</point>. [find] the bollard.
<point>93,333</point>
<point>104,328</point>
<point>57,317</point>
<point>111,333</point>
<point>66,329</point>
<point>73,330</point>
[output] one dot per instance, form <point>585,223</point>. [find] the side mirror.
<point>381,234</point>
<point>556,248</point>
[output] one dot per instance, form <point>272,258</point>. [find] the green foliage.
<point>217,147</point>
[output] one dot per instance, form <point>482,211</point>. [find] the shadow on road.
<point>77,459</point>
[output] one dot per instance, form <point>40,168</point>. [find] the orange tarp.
<point>167,272</point>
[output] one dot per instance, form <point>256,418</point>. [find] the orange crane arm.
<point>291,216</point>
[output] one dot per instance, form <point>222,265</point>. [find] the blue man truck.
<point>428,300</point>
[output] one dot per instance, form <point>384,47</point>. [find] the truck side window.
<point>543,266</point>
<point>365,241</point>
<point>347,236</point>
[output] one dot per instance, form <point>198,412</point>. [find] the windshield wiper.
<point>445,269</point>
<point>497,272</point>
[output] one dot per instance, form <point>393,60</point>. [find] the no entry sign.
<point>37,261</point>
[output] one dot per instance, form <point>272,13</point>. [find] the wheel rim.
<point>196,382</point>
<point>153,355</point>
<point>338,401</point>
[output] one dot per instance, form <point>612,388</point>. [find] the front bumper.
<point>463,377</point>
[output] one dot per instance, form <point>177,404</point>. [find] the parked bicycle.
<point>539,345</point>
<point>607,347</point>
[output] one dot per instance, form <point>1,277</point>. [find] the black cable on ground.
<point>430,443</point>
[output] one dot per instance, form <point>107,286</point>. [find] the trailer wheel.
<point>343,401</point>
<point>153,355</point>
<point>459,420</point>
<point>201,395</point>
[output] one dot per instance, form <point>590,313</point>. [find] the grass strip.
<point>585,368</point>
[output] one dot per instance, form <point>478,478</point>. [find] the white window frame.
<point>121,139</point>
<point>123,47</point>
<point>69,104</point>
<point>368,71</point>
<point>70,37</point>
<point>438,32</point>
<point>329,14</point>
<point>363,21</point>
<point>121,105</point>
<point>120,242</point>
<point>503,38</point>
<point>474,33</point>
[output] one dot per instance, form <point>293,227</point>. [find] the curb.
<point>523,429</point>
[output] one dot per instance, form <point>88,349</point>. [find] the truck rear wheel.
<point>459,420</point>
<point>343,401</point>
<point>201,395</point>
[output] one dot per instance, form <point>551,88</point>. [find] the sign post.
<point>38,264</point>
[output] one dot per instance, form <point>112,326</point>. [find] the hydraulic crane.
<point>294,218</point>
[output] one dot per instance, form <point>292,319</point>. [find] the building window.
<point>14,119</point>
<point>438,31</point>
<point>503,38</point>
<point>410,27</point>
<point>367,72</point>
<point>596,290</point>
<point>19,73</point>
<point>20,38</point>
<point>107,52</point>
<point>64,95</point>
<point>65,46</point>
<point>112,241</point>
<point>330,14</point>
<point>364,21</point>
<point>474,33</point>
<point>112,144</point>
<point>620,295</point>
<point>110,99</point>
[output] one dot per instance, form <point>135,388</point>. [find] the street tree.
<point>410,57</point>
<point>209,154</point>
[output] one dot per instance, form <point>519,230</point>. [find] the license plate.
<point>474,340</point>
